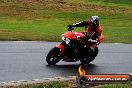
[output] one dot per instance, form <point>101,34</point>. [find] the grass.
<point>115,86</point>
<point>45,21</point>
<point>105,2</point>
<point>53,84</point>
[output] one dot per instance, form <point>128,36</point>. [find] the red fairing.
<point>61,47</point>
<point>80,34</point>
<point>70,35</point>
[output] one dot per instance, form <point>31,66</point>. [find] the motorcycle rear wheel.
<point>53,56</point>
<point>91,57</point>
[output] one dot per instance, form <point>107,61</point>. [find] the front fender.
<point>61,47</point>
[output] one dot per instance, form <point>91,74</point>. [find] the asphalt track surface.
<point>26,61</point>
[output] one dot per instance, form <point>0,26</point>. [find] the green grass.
<point>115,86</point>
<point>46,21</point>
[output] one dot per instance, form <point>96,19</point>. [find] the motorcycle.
<point>74,47</point>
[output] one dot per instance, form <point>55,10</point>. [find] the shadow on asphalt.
<point>73,68</point>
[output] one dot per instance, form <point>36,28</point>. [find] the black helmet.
<point>94,22</point>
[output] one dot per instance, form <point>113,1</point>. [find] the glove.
<point>70,27</point>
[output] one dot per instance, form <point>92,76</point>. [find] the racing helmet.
<point>94,22</point>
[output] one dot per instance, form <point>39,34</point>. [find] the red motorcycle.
<point>74,47</point>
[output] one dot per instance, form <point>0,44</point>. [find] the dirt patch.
<point>28,8</point>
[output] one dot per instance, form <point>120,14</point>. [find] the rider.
<point>93,31</point>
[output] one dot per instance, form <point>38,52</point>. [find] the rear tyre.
<point>53,56</point>
<point>96,51</point>
<point>91,57</point>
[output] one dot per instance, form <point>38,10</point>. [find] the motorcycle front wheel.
<point>53,56</point>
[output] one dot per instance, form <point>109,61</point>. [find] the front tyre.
<point>53,56</point>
